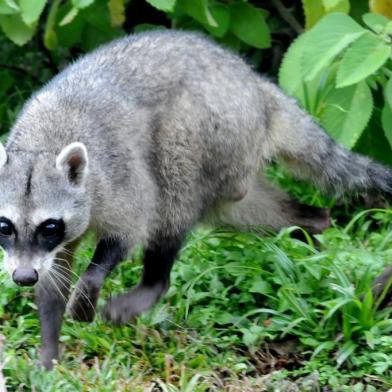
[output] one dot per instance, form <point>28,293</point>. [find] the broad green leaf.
<point>364,57</point>
<point>198,10</point>
<point>386,118</point>
<point>69,34</point>
<point>93,38</point>
<point>8,7</point>
<point>163,5</point>
<point>376,22</point>
<point>373,141</point>
<point>308,93</point>
<point>388,28</point>
<point>314,11</point>
<point>82,3</point>
<point>117,12</point>
<point>388,92</point>
<point>221,14</point>
<point>326,40</point>
<point>69,16</point>
<point>31,10</point>
<point>336,6</point>
<point>15,29</point>
<point>249,25</point>
<point>346,113</point>
<point>97,27</point>
<point>231,41</point>
<point>98,18</point>
<point>291,69</point>
<point>329,3</point>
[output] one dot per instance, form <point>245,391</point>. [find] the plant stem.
<point>287,16</point>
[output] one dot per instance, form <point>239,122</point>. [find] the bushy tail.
<point>311,154</point>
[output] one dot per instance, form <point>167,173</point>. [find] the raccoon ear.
<point>73,162</point>
<point>3,156</point>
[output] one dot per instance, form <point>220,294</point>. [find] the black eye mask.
<point>7,233</point>
<point>50,233</point>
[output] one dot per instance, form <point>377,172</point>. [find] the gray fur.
<point>177,130</point>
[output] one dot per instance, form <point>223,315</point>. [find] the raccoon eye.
<point>51,228</point>
<point>6,227</point>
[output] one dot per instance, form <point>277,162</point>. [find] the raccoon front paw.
<point>82,305</point>
<point>48,357</point>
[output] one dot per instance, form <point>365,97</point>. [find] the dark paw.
<point>313,219</point>
<point>125,308</point>
<point>48,358</point>
<point>117,311</point>
<point>82,305</point>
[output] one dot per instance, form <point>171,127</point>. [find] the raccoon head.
<point>43,206</point>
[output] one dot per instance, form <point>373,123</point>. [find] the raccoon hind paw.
<point>125,308</point>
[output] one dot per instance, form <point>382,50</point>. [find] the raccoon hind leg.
<point>313,219</point>
<point>267,206</point>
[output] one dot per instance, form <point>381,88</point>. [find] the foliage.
<point>315,10</point>
<point>340,72</point>
<point>53,33</point>
<point>76,22</point>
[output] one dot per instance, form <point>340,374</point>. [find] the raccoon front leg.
<point>108,253</point>
<point>158,261</point>
<point>52,293</point>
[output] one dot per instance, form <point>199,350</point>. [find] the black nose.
<point>25,276</point>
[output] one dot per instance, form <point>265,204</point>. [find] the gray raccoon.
<point>139,141</point>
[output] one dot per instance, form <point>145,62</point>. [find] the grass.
<point>244,313</point>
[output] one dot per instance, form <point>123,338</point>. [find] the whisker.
<point>100,266</point>
<point>78,289</point>
<point>59,279</point>
<point>63,277</point>
<point>62,267</point>
<point>53,281</point>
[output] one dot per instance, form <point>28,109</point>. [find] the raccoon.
<point>139,141</point>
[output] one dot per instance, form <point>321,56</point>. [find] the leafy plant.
<point>72,22</point>
<point>340,72</point>
<point>314,10</point>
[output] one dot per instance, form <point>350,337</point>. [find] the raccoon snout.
<point>25,276</point>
